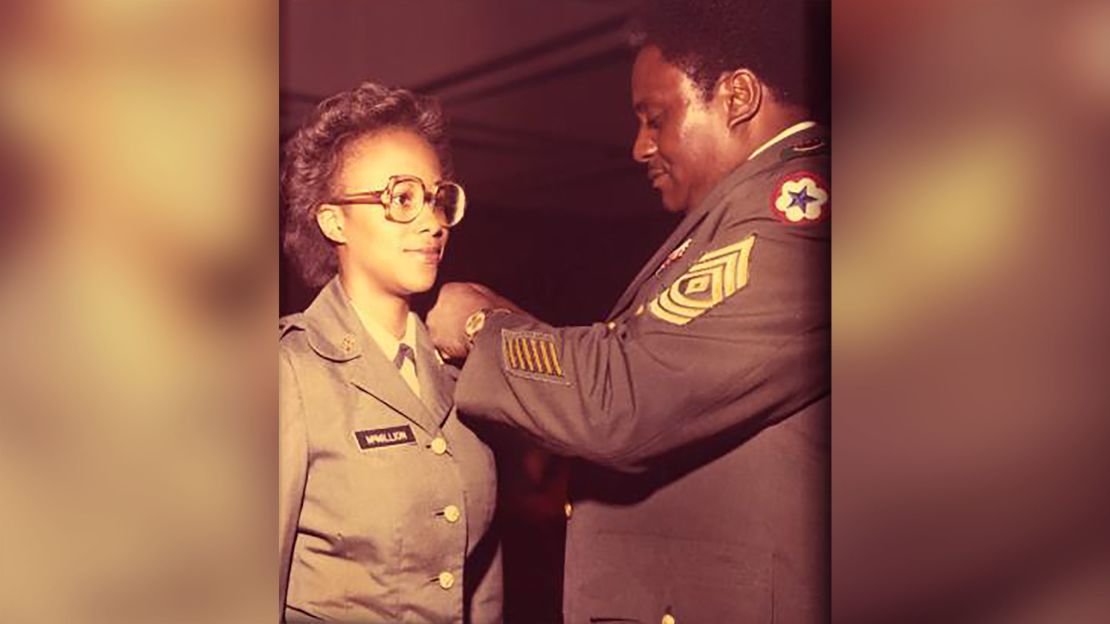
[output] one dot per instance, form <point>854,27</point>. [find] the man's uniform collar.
<point>796,128</point>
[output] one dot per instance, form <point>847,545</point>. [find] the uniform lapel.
<point>336,334</point>
<point>435,386</point>
<point>376,375</point>
<point>677,237</point>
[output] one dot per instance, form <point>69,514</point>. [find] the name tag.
<point>390,436</point>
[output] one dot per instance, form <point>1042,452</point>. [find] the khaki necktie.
<point>405,361</point>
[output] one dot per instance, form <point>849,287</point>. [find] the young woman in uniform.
<point>385,497</point>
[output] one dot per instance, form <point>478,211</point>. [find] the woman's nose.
<point>428,222</point>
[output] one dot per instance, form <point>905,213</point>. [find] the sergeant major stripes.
<point>716,276</point>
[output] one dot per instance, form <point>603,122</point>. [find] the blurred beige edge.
<point>970,300</point>
<point>138,146</point>
<point>138,143</point>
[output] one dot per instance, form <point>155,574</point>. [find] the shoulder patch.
<point>801,198</point>
<point>716,276</point>
<point>532,355</point>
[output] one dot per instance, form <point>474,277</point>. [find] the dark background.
<point>560,218</point>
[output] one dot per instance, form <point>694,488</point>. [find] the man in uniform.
<point>698,413</point>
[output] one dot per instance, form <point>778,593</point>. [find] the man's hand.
<point>454,305</point>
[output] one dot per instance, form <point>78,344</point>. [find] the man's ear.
<point>330,219</point>
<point>743,95</point>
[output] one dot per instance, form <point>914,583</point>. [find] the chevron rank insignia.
<point>716,276</point>
<point>802,197</point>
<point>532,355</point>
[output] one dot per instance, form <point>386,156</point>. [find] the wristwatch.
<point>475,322</point>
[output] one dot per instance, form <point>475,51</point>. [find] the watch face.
<point>475,322</point>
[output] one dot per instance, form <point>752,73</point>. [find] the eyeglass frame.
<point>377,198</point>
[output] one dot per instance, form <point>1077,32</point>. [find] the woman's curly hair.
<point>313,157</point>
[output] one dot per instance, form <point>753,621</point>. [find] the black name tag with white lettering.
<point>390,436</point>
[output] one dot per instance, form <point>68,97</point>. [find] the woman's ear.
<point>743,93</point>
<point>330,219</point>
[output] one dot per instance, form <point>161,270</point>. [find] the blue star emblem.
<point>801,198</point>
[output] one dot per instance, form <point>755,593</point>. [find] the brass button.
<point>568,509</point>
<point>446,580</point>
<point>439,445</point>
<point>668,619</point>
<point>451,514</point>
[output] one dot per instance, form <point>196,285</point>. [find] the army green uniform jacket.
<point>698,413</point>
<point>385,499</point>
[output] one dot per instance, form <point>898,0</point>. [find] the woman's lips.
<point>429,255</point>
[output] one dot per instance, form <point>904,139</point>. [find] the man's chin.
<point>672,201</point>
<point>673,205</point>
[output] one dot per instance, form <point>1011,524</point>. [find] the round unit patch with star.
<point>802,197</point>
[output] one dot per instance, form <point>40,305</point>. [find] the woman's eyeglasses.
<point>405,197</point>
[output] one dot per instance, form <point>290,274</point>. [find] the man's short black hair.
<point>785,42</point>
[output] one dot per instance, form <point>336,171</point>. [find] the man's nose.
<point>644,147</point>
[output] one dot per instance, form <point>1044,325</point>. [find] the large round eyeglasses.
<point>405,197</point>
